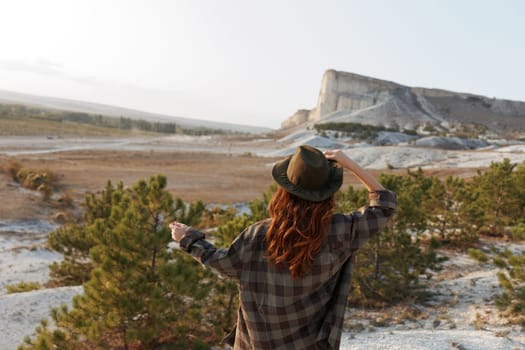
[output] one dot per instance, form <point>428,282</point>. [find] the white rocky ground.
<point>399,154</point>
<point>22,312</point>
<point>23,256</point>
<point>402,155</point>
<point>461,315</point>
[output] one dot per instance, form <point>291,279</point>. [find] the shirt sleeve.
<point>227,261</point>
<point>370,219</point>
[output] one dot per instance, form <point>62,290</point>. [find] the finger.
<point>176,224</point>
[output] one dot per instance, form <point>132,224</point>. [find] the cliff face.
<point>348,97</point>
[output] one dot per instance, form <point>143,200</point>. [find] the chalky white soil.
<point>460,315</point>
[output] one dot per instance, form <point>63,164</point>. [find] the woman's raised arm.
<point>368,180</point>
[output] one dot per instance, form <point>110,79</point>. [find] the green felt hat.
<point>308,174</point>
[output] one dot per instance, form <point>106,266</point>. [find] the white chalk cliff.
<point>349,97</point>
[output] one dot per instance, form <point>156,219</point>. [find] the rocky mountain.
<point>349,97</point>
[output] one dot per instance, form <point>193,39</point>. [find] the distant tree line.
<point>121,123</point>
<point>141,294</point>
<point>356,130</point>
<point>369,132</point>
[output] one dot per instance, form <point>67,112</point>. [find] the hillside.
<point>349,97</point>
<point>10,97</point>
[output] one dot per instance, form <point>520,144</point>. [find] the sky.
<point>254,62</point>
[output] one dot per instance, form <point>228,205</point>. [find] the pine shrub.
<point>388,268</point>
<point>498,194</point>
<point>512,280</point>
<point>22,287</point>
<point>138,292</point>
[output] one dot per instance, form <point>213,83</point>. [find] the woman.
<point>294,269</point>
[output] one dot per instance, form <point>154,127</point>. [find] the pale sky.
<point>254,62</point>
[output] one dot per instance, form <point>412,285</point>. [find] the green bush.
<point>511,278</point>
<point>498,193</point>
<point>22,287</point>
<point>43,180</point>
<point>478,255</point>
<point>138,292</point>
<point>356,130</point>
<point>453,213</point>
<point>388,268</point>
<point>518,232</point>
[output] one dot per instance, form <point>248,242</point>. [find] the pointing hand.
<point>178,230</point>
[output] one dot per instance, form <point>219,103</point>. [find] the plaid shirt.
<point>277,312</point>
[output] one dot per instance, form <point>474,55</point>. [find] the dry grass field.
<point>211,177</point>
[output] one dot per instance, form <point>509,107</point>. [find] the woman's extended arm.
<point>369,181</point>
<point>226,261</point>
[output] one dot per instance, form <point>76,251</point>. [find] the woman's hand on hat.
<point>178,230</point>
<point>340,157</point>
<point>336,154</point>
<point>364,176</point>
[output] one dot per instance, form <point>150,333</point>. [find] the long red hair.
<point>297,230</point>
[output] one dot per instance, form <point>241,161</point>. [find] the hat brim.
<point>335,180</point>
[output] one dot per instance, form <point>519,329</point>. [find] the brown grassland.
<point>213,177</point>
<point>210,177</point>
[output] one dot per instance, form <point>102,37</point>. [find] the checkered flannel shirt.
<point>280,313</point>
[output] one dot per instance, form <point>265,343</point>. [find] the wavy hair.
<point>297,230</point>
